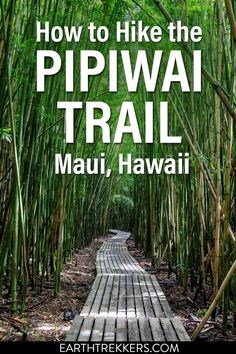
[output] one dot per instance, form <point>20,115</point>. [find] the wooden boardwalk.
<point>125,303</point>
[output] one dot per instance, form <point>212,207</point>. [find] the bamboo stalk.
<point>213,82</point>
<point>215,301</point>
<point>218,158</point>
<point>232,21</point>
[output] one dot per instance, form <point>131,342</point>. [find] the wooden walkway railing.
<point>125,303</point>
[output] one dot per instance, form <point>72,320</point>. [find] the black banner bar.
<point>102,347</point>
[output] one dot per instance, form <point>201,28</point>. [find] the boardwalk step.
<point>126,296</point>
<point>115,329</point>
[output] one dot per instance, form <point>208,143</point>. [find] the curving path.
<point>125,303</point>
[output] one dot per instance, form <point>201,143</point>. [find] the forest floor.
<point>182,301</point>
<point>48,319</point>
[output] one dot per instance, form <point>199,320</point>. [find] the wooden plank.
<point>91,297</point>
<point>98,329</point>
<point>124,266</point>
<point>110,256</point>
<point>133,330</point>
<point>157,332</point>
<point>122,297</point>
<point>86,329</point>
<point>106,262</point>
<point>139,305</point>
<point>116,260</point>
<point>154,298</point>
<point>109,331</point>
<point>105,269</point>
<point>101,262</point>
<point>103,312</point>
<point>74,329</point>
<point>102,248</point>
<point>122,269</point>
<point>138,268</point>
<point>127,265</point>
<point>98,265</point>
<point>134,265</point>
<point>130,267</point>
<point>163,301</point>
<point>146,298</point>
<point>180,330</point>
<point>99,295</point>
<point>168,330</point>
<point>113,264</point>
<point>121,330</point>
<point>145,331</point>
<point>130,296</point>
<point>114,297</point>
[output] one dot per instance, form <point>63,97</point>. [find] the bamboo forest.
<point>186,221</point>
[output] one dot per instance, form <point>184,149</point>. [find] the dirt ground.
<point>49,319</point>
